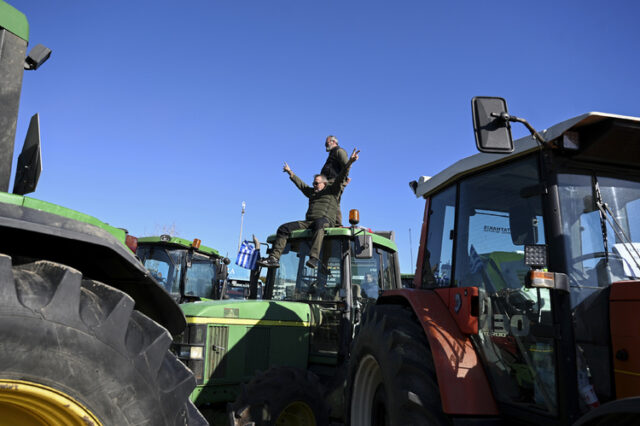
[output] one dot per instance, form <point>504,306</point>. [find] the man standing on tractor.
<point>336,161</point>
<point>322,211</point>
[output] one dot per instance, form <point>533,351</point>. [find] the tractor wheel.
<point>283,396</point>
<point>392,380</point>
<point>74,352</point>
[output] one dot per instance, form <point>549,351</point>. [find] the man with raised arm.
<point>336,161</point>
<point>321,213</point>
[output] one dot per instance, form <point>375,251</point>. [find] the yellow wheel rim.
<point>32,404</point>
<point>296,414</point>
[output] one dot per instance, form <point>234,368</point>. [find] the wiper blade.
<point>603,216</point>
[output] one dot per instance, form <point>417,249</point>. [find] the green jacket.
<point>323,203</point>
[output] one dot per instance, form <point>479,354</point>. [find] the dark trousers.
<point>286,229</point>
<point>339,212</point>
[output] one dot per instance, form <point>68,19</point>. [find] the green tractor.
<point>186,269</point>
<point>84,329</point>
<point>282,358</point>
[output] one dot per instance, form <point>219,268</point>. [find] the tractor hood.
<point>248,312</point>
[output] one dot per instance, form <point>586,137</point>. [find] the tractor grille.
<point>217,351</point>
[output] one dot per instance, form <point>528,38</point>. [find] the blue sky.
<point>159,115</point>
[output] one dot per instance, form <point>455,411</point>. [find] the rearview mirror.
<point>29,160</point>
<point>363,246</point>
<point>493,133</point>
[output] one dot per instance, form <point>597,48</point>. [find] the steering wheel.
<point>594,255</point>
<point>578,272</point>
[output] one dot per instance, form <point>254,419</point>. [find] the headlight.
<point>196,352</point>
<point>188,352</point>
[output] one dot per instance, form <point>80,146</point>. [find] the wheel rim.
<point>365,384</point>
<point>296,414</point>
<point>32,404</point>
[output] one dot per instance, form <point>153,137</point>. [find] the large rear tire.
<point>392,380</point>
<point>74,351</point>
<point>283,396</point>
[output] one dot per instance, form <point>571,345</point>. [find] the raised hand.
<point>286,168</point>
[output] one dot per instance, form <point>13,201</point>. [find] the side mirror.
<point>29,160</point>
<point>222,270</point>
<point>491,128</point>
<point>38,56</point>
<point>523,225</point>
<point>363,246</point>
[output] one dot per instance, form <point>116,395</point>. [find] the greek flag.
<point>247,255</point>
<point>475,260</point>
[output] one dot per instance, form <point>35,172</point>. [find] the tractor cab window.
<point>200,277</point>
<point>164,264</point>
<point>388,270</point>
<point>370,276</point>
<point>436,266</point>
<point>600,248</point>
<point>293,280</point>
<point>366,277</point>
<point>499,211</point>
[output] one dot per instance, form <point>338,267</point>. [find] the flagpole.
<point>241,221</point>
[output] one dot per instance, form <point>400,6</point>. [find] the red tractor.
<point>525,301</point>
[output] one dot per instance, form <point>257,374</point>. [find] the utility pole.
<point>241,221</point>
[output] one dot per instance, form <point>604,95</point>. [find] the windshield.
<point>293,280</point>
<point>600,248</point>
<point>200,277</point>
<point>164,264</point>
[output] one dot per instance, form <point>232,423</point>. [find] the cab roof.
<point>426,185</point>
<point>179,242</point>
<point>378,237</point>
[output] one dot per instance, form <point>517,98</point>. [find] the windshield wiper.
<point>603,216</point>
<point>606,216</point>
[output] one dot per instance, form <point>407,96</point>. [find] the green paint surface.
<point>178,242</point>
<point>14,21</point>
<point>342,232</point>
<point>47,207</point>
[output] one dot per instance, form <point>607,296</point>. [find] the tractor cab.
<point>186,269</point>
<point>356,266</point>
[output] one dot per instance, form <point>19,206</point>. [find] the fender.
<point>464,388</point>
<point>32,233</point>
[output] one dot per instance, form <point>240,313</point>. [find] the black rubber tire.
<point>392,380</point>
<point>265,397</point>
<point>84,338</point>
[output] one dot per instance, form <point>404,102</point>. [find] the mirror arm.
<point>506,117</point>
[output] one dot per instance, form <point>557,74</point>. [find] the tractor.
<point>84,329</point>
<point>281,358</point>
<point>523,308</point>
